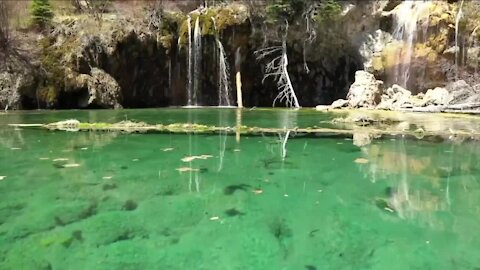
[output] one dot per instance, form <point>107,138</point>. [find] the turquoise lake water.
<point>85,200</point>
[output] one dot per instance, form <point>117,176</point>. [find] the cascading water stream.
<point>406,19</point>
<point>223,74</point>
<point>197,58</point>
<point>190,63</point>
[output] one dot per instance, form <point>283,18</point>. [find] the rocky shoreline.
<point>369,93</point>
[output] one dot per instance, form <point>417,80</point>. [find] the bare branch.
<point>277,68</point>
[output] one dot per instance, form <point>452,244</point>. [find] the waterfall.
<point>190,63</point>
<point>406,19</point>
<point>224,82</point>
<point>223,73</point>
<point>197,58</point>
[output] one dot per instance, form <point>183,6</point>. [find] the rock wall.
<point>132,63</point>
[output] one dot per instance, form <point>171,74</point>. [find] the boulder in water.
<point>361,139</point>
<point>339,103</point>
<point>366,91</point>
<point>437,96</point>
<point>395,97</point>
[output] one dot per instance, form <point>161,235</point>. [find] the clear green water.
<point>414,205</point>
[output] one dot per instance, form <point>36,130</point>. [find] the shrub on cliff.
<point>279,10</point>
<point>42,13</point>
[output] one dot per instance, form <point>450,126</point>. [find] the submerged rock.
<point>361,139</point>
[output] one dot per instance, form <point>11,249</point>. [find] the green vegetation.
<point>171,21</point>
<point>42,13</point>
<point>51,63</point>
<point>328,10</point>
<point>279,10</point>
<point>290,10</point>
<point>224,17</point>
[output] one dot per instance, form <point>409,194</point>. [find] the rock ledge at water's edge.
<point>368,93</point>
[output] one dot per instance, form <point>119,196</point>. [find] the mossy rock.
<point>441,14</point>
<point>425,52</point>
<point>53,62</point>
<point>49,94</point>
<point>224,17</point>
<point>377,64</point>
<point>390,54</point>
<point>172,22</point>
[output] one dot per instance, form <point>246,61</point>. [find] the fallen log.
<point>141,127</point>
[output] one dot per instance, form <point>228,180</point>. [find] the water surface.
<point>128,201</point>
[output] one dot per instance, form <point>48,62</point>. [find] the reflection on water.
<point>192,201</point>
<point>423,177</point>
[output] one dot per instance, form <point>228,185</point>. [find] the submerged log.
<point>141,127</point>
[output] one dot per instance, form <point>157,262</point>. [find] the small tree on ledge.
<point>42,13</point>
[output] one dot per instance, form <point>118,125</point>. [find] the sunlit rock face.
<point>395,97</point>
<point>432,43</point>
<point>403,42</point>
<point>463,93</point>
<point>421,32</point>
<point>366,91</point>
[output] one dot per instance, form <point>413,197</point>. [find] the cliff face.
<point>126,62</point>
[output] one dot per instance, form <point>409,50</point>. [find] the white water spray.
<point>223,73</point>
<point>190,63</point>
<point>406,19</point>
<point>197,58</point>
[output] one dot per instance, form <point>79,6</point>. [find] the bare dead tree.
<point>278,69</point>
